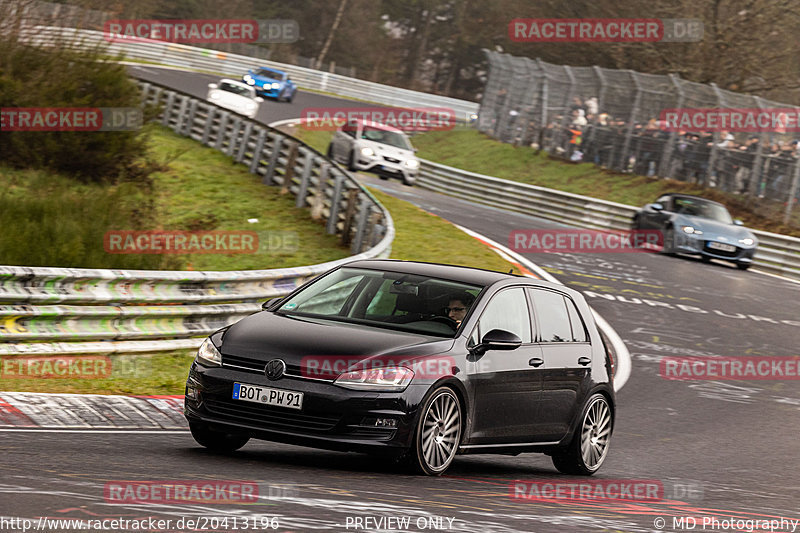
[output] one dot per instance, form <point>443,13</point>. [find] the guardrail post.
<point>207,126</point>
<point>318,203</point>
<point>336,199</point>
<point>256,160</point>
<point>350,211</point>
<point>236,128</point>
<point>277,146</point>
<point>288,173</point>
<point>222,130</point>
<point>302,190</point>
<point>178,128</point>
<point>361,227</point>
<point>189,124</point>
<point>248,129</point>
<point>168,109</point>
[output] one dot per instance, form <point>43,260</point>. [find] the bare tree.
<point>331,33</point>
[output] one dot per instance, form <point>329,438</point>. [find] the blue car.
<point>271,83</point>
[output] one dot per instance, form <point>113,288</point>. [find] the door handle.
<point>536,362</point>
<point>584,361</point>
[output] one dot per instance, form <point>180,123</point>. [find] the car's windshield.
<point>392,138</point>
<point>404,302</point>
<point>267,73</point>
<point>701,208</point>
<point>236,89</point>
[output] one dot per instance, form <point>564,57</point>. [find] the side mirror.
<point>498,339</point>
<point>213,86</point>
<point>737,222</point>
<point>657,207</point>
<point>271,303</point>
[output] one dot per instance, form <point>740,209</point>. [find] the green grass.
<point>420,237</point>
<point>53,220</point>
<point>471,150</point>
<point>161,373</point>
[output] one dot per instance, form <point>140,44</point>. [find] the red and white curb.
<point>35,410</point>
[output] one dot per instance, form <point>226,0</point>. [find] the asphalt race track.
<point>723,449</point>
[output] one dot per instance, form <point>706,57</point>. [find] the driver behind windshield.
<point>458,306</point>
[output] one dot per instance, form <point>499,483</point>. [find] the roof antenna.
<point>511,271</point>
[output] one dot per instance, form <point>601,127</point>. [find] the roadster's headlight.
<point>388,379</point>
<point>367,151</point>
<point>276,85</point>
<point>747,241</point>
<point>691,230</point>
<point>208,355</point>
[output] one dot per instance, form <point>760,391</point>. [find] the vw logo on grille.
<point>275,369</point>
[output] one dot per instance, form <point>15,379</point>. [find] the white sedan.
<point>236,96</point>
<point>376,148</point>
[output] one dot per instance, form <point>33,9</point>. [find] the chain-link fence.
<point>613,118</point>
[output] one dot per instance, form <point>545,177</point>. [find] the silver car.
<point>236,96</point>
<point>376,148</point>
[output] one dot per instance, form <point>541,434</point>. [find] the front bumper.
<point>383,167</point>
<point>332,417</point>
<point>700,245</point>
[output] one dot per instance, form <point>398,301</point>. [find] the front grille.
<point>391,159</point>
<point>244,363</point>
<point>269,417</point>
<point>721,253</point>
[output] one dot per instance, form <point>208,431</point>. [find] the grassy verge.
<point>53,220</point>
<point>420,237</point>
<point>470,150</point>
<point>142,374</point>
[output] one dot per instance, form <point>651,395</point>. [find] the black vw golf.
<point>420,361</point>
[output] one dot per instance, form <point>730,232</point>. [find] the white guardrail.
<point>78,311</point>
<point>777,254</point>
<point>232,65</point>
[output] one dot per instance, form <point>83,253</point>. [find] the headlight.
<point>412,163</point>
<point>208,355</point>
<point>691,230</point>
<point>214,95</point>
<point>389,379</point>
<point>247,78</point>
<point>276,85</point>
<point>747,241</point>
<point>367,151</point>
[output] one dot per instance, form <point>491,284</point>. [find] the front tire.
<point>589,447</point>
<point>351,162</point>
<point>217,441</point>
<point>438,433</point>
<point>742,266</point>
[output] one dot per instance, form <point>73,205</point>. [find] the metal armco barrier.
<point>232,65</point>
<point>777,254</point>
<point>69,310</point>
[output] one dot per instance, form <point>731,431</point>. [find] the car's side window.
<point>578,327</point>
<point>508,310</point>
<point>553,316</point>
